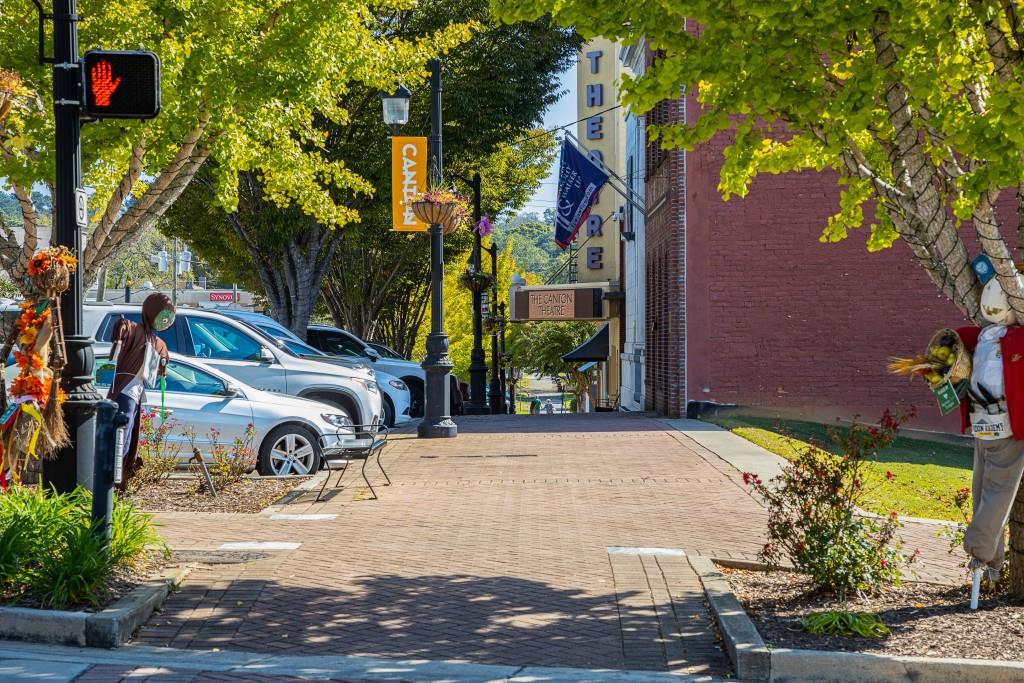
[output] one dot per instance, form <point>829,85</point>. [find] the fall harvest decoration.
<point>946,358</point>
<point>32,422</point>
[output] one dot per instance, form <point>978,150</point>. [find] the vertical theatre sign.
<point>408,181</point>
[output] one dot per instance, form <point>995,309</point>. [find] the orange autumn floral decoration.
<point>43,260</point>
<point>34,378</point>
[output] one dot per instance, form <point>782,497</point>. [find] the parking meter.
<point>111,428</point>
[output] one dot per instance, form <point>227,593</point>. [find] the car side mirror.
<point>266,355</point>
<point>231,390</point>
<point>372,353</point>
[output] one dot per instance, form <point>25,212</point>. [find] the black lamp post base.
<point>73,465</point>
<point>445,429</point>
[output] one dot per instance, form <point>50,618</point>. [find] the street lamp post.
<point>502,320</point>
<point>477,362</point>
<point>495,389</point>
<point>515,373</point>
<point>436,423</point>
<point>73,464</point>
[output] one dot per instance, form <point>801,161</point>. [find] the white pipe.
<point>976,587</point>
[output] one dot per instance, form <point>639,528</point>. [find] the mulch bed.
<point>250,495</point>
<point>926,620</point>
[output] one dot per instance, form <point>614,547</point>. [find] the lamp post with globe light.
<point>436,422</point>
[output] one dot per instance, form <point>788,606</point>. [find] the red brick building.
<point>746,306</point>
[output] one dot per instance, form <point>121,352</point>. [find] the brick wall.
<point>665,201</point>
<point>772,318</point>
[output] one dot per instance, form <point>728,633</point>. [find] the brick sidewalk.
<point>492,548</point>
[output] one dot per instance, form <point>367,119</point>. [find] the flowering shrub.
<point>231,463</point>
<point>159,455</point>
<point>813,515</point>
<point>227,463</point>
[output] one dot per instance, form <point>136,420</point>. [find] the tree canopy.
<point>917,104</point>
<point>532,242</point>
<point>496,86</point>
<point>246,83</point>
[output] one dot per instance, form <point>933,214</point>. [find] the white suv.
<point>235,350</point>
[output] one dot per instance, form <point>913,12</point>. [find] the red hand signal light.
<point>120,84</point>
<point>102,83</point>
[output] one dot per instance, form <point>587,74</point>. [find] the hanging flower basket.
<point>434,212</point>
<point>443,207</point>
<point>476,281</point>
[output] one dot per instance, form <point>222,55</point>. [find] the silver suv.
<point>234,349</point>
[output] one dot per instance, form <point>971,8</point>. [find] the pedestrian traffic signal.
<point>121,84</point>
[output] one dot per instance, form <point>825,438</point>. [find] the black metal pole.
<point>73,464</point>
<point>495,392</point>
<point>477,362</point>
<point>437,422</point>
<point>501,356</point>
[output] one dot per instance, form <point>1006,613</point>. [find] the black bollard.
<point>106,467</point>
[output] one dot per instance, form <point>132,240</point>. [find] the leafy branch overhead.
<point>247,84</point>
<point>918,106</point>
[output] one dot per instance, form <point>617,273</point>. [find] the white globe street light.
<point>396,108</point>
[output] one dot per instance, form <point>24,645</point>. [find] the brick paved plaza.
<point>528,540</point>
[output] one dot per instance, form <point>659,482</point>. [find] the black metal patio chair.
<point>339,450</point>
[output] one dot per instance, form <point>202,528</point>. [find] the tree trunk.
<point>1016,545</point>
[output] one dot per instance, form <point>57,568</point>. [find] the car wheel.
<point>389,412</point>
<point>415,398</point>
<point>289,449</point>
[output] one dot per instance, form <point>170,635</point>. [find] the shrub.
<point>227,463</point>
<point>159,454</point>
<point>231,463</point>
<point>57,557</point>
<point>814,519</point>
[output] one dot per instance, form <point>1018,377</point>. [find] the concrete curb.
<point>109,628</point>
<point>755,662</point>
<point>347,667</point>
<point>750,658</point>
<point>284,501</point>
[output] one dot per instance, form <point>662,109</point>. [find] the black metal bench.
<point>341,449</point>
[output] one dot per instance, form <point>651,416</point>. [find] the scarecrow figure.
<point>140,356</point>
<point>994,412</point>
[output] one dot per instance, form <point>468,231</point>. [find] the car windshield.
<point>275,330</point>
<point>296,348</point>
<point>386,351</point>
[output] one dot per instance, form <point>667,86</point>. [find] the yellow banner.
<point>408,181</point>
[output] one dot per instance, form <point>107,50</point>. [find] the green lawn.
<point>927,474</point>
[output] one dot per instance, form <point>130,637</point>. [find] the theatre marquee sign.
<point>559,304</point>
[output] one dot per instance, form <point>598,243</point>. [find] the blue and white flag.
<point>579,181</point>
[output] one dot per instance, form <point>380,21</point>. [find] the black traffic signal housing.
<point>121,84</point>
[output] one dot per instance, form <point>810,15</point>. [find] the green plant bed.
<point>925,475</point>
<point>50,558</point>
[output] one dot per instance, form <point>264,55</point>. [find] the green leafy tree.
<point>248,84</point>
<point>496,88</point>
<point>917,106</point>
<point>375,285</point>
<point>533,246</point>
<point>538,348</point>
